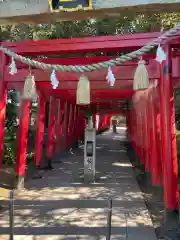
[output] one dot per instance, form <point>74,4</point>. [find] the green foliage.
<point>10,129</point>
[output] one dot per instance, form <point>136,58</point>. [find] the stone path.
<point>61,206</point>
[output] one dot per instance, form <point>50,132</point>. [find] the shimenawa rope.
<point>96,66</point>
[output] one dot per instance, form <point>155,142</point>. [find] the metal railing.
<point>11,217</point>
<point>109,219</point>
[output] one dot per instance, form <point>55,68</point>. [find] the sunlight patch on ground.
<point>118,164</point>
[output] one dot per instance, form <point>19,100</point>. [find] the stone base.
<point>20,183</point>
<point>89,177</point>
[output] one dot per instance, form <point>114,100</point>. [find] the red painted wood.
<point>156,169</point>
<point>73,132</point>
<point>22,138</point>
<point>146,135</point>
<point>82,45</point>
<point>135,130</point>
<point>51,128</point>
<point>59,126</point>
<point>94,120</point>
<point>3,96</point>
<point>70,128</point>
<point>76,126</point>
<point>40,129</point>
<point>170,170</point>
<point>150,134</point>
<point>66,124</point>
<point>158,135</point>
<point>138,131</point>
<point>141,129</point>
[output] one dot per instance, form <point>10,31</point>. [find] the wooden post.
<point>156,175</point>
<point>66,123</point>
<point>22,138</point>
<point>58,127</point>
<point>71,122</point>
<point>168,139</point>
<point>51,131</point>
<point>40,129</point>
<point>158,132</point>
<point>135,129</point>
<point>3,96</point>
<point>132,128</point>
<point>143,133</point>
<point>150,134</point>
<point>94,120</point>
<point>73,131</point>
<point>146,135</point>
<point>138,131</point>
<point>141,141</point>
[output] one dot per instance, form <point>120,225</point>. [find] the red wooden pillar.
<point>146,135</point>
<point>73,132</point>
<point>75,127</point>
<point>143,131</point>
<point>158,132</point>
<point>109,121</point>
<point>156,174</point>
<point>66,124</point>
<point>168,139</point>
<point>51,131</point>
<point>59,126</point>
<point>71,122</point>
<point>3,96</point>
<point>78,125</point>
<point>149,131</point>
<point>40,129</point>
<point>94,120</point>
<point>133,128</point>
<point>22,138</point>
<point>129,127</point>
<point>138,132</point>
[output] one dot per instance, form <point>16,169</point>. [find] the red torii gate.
<point>151,128</point>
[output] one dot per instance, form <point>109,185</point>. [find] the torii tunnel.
<point>150,119</point>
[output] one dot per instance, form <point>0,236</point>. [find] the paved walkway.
<point>61,206</point>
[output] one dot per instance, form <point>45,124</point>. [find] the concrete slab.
<point>61,206</point>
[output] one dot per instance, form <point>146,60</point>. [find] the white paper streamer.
<point>160,55</point>
<point>12,66</point>
<point>110,77</point>
<point>54,80</point>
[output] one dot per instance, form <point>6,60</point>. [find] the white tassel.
<point>12,66</point>
<point>54,80</point>
<point>141,78</point>
<point>83,91</point>
<point>29,91</point>
<point>160,55</point>
<point>110,77</point>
